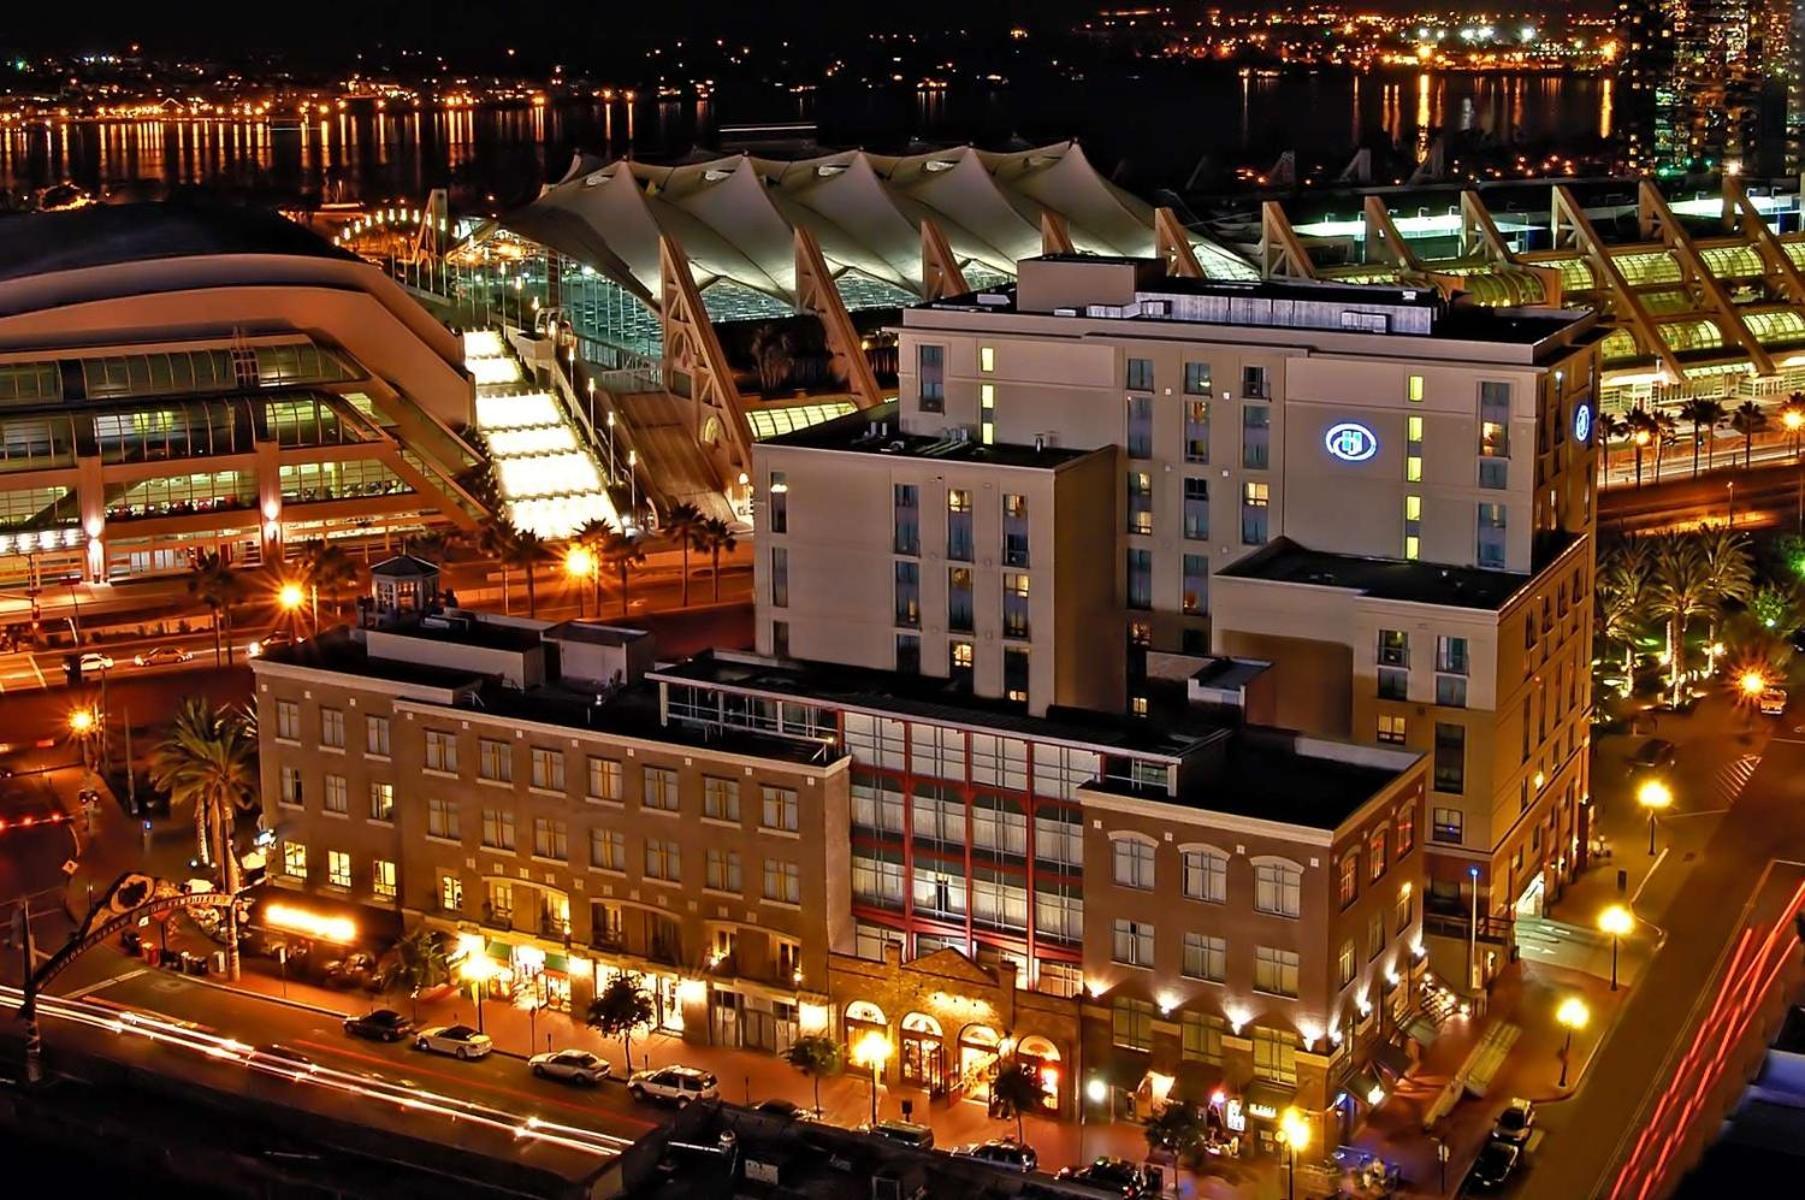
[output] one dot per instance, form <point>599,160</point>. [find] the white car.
<point>459,1041</point>
<point>571,1066</point>
<point>675,1085</point>
<point>94,660</point>
<point>163,656</point>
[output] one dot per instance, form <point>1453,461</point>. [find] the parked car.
<point>571,1066</point>
<point>1656,754</point>
<point>789,1110</point>
<point>269,641</point>
<point>1005,1154</point>
<point>459,1041</point>
<point>379,1025</point>
<point>1516,1122</point>
<point>906,1132</point>
<point>163,656</point>
<point>673,1085</point>
<point>1494,1166</point>
<point>94,660</point>
<point>1128,1179</point>
<point>1772,702</point>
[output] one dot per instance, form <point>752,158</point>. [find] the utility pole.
<point>28,1010</point>
<point>131,774</point>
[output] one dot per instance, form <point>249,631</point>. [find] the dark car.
<point>1005,1154</point>
<point>1116,1175</point>
<point>906,1132</point>
<point>1493,1167</point>
<point>1656,754</point>
<point>1516,1122</point>
<point>788,1110</point>
<point>379,1025</point>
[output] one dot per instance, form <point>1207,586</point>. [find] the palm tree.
<point>434,545</point>
<point>716,537</point>
<point>206,761</point>
<point>816,1057</point>
<point>1610,428</point>
<point>593,535</point>
<point>1179,1128</point>
<point>1704,414</point>
<point>1666,434</point>
<point>220,588</point>
<point>622,551</point>
<point>1643,429</point>
<point>529,552</point>
<point>682,524</point>
<point>1729,569</point>
<point>1748,420</point>
<point>1625,595</point>
<point>496,541</point>
<point>421,962</point>
<point>325,567</point>
<point>1682,591</point>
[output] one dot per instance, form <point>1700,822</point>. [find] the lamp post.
<point>1096,1092</point>
<point>1616,921</point>
<point>633,483</point>
<point>1794,420</point>
<point>82,724</point>
<point>477,970</point>
<point>1294,1135</point>
<point>1732,509</point>
<point>1654,796</point>
<point>613,473</point>
<point>872,1051</point>
<point>1572,1015</point>
<point>580,564</point>
<point>1473,931</point>
<point>290,597</point>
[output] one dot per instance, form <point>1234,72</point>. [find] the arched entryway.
<point>863,1017</point>
<point>924,1052</point>
<point>979,1046</point>
<point>1042,1057</point>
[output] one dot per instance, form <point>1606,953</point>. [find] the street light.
<point>1294,1135</point>
<point>477,970</point>
<point>1616,921</point>
<point>1752,683</point>
<point>872,1051</point>
<point>580,563</point>
<point>1572,1015</point>
<point>1654,796</point>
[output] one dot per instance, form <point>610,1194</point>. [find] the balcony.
<point>1492,930</point>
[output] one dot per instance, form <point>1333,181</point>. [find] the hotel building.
<point>1386,495</point>
<point>1181,906</point>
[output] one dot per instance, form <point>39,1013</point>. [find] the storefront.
<point>1042,1057</point>
<point>978,1053</point>
<point>863,1018</point>
<point>1259,1108</point>
<point>923,1053</point>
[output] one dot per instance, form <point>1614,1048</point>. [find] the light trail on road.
<point>196,1039</point>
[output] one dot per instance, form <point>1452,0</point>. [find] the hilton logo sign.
<point>1350,442</point>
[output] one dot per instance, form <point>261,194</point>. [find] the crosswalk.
<point>1728,780</point>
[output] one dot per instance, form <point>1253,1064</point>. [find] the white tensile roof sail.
<point>736,216</point>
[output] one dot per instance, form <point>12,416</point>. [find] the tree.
<point>593,536</point>
<point>496,541</point>
<point>1015,1091</point>
<point>771,351</point>
<point>622,551</point>
<point>682,524</point>
<point>1775,606</point>
<point>206,760</point>
<point>1179,1128</point>
<point>421,963</point>
<point>623,1006</point>
<point>325,567</point>
<point>1625,597</point>
<point>1610,428</point>
<point>1729,570</point>
<point>220,588</point>
<point>1748,420</point>
<point>1643,430</point>
<point>1704,414</point>
<point>434,545</point>
<point>1666,434</point>
<point>816,1057</point>
<point>528,551</point>
<point>1682,592</point>
<point>716,537</point>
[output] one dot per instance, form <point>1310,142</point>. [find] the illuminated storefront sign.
<point>1582,423</point>
<point>1351,442</point>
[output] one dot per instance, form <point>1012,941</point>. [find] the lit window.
<point>1134,863</point>
<point>987,359</point>
<point>294,860</point>
<point>338,868</point>
<point>1413,389</point>
<point>382,879</point>
<point>382,801</point>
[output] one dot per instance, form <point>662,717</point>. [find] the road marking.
<point>407,1067</point>
<point>42,682</point>
<point>84,992</point>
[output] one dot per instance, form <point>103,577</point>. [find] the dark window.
<point>1197,509</point>
<point>908,519</point>
<point>1197,379</point>
<point>1491,535</point>
<point>908,654</point>
<point>780,502</point>
<point>1254,383</point>
<point>908,595</point>
<point>1015,530</point>
<point>1140,427</point>
<point>932,364</point>
<point>958,599</point>
<point>1015,674</point>
<point>1450,758</point>
<point>780,577</point>
<point>1256,436</point>
<point>1140,374</point>
<point>1140,579</point>
<point>1197,584</point>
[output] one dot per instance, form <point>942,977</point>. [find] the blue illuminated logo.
<point>1351,442</point>
<point>1582,423</point>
